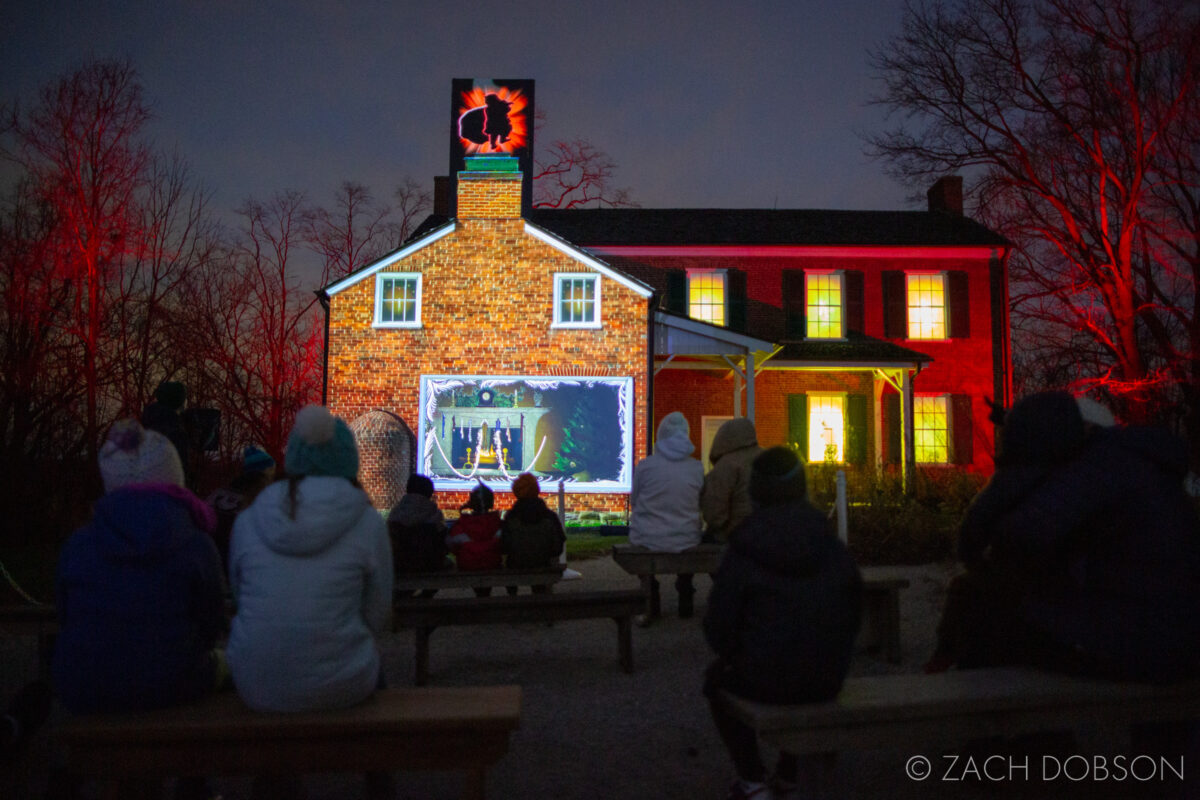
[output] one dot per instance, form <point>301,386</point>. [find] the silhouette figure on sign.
<point>487,124</point>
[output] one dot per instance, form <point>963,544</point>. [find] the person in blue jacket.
<point>139,589</point>
<point>782,617</point>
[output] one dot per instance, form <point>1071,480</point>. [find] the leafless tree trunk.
<point>81,146</point>
<point>1063,115</point>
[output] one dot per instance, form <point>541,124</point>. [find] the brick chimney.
<point>489,188</point>
<point>946,195</point>
<point>441,195</point>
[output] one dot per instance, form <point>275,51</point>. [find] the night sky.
<point>700,103</point>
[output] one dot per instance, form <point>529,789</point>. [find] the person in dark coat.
<point>475,538</point>
<point>1089,548</point>
<point>982,624</point>
<point>1126,536</point>
<point>782,616</point>
<point>139,590</point>
<point>532,535</point>
<point>258,472</point>
<point>162,415</point>
<point>417,528</point>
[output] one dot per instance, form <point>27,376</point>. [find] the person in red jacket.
<point>475,538</point>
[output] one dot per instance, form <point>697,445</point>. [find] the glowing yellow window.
<point>826,427</point>
<point>926,306</point>
<point>706,296</point>
<point>931,429</point>
<point>823,306</point>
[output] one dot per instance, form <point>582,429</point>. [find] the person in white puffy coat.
<point>310,566</point>
<point>665,499</point>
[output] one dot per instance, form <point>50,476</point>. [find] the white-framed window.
<point>826,427</point>
<point>926,298</point>
<point>576,300</point>
<point>707,292</point>
<point>824,296</point>
<point>931,429</point>
<point>398,300</point>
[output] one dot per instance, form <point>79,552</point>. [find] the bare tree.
<point>259,326</point>
<point>81,147</point>
<point>353,234</point>
<point>1070,120</point>
<point>412,202</point>
<point>176,235</point>
<point>576,173</point>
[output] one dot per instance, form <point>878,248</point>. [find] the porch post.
<point>909,456</point>
<point>737,391</point>
<point>750,385</point>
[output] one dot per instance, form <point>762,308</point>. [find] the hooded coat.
<point>418,532</point>
<point>785,605</point>
<point>141,603</point>
<point>725,496</point>
<point>312,594</point>
<point>1125,539</point>
<point>665,497</point>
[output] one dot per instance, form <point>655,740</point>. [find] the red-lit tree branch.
<point>576,173</point>
<point>1076,126</point>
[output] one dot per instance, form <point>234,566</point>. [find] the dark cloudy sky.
<point>701,103</point>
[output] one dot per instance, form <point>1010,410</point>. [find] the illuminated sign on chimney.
<point>492,117</point>
<point>492,120</point>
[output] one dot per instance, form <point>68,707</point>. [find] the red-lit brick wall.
<point>486,309</point>
<point>959,366</point>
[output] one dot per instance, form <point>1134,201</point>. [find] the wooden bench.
<point>881,588</point>
<point>454,729</point>
<point>424,615</point>
<point>950,708</point>
<point>452,579</point>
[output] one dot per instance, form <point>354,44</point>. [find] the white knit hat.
<point>132,454</point>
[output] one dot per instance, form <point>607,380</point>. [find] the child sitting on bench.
<point>782,616</point>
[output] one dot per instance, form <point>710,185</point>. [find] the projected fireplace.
<point>490,429</point>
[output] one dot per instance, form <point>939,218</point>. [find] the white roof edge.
<point>568,249</point>
<point>389,259</point>
<point>713,331</point>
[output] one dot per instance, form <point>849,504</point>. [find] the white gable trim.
<point>583,258</point>
<point>389,259</point>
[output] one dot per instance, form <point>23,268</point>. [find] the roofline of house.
<point>778,250</point>
<point>714,331</point>
<point>391,258</point>
<point>573,251</point>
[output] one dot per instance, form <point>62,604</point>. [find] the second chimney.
<point>946,195</point>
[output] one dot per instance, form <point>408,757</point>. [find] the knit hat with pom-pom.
<point>132,454</point>
<point>321,444</point>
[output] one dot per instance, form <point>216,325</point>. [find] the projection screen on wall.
<point>492,428</point>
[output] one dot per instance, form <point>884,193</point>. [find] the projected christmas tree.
<point>587,450</point>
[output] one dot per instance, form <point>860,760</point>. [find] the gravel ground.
<point>588,730</point>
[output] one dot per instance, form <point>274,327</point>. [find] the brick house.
<point>493,339</point>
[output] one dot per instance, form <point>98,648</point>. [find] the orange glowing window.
<point>706,296</point>
<point>931,430</point>
<point>926,306</point>
<point>823,305</point>
<point>576,300</point>
<point>398,300</point>
<point>826,427</point>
